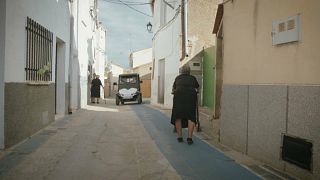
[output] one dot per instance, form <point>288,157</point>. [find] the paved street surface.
<point>116,142</point>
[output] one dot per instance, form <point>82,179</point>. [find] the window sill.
<point>38,83</point>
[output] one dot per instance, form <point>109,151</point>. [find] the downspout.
<point>183,31</point>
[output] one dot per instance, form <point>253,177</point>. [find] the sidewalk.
<point>198,161</point>
<point>210,134</point>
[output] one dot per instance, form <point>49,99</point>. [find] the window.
<point>128,80</point>
<point>38,53</point>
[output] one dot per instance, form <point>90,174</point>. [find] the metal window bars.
<point>39,52</point>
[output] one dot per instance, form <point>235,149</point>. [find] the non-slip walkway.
<point>199,161</point>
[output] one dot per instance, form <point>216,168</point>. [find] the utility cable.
<point>127,2</point>
<point>134,8</point>
<point>129,5</point>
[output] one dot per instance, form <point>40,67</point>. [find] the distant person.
<point>184,103</point>
<point>95,89</point>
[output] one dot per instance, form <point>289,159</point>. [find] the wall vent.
<point>297,151</point>
<point>286,30</point>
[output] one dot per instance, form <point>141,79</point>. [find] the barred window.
<point>39,52</point>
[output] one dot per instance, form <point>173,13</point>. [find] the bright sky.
<point>126,28</point>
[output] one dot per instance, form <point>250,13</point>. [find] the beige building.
<point>141,63</point>
<point>269,63</point>
<point>144,71</point>
<point>141,57</point>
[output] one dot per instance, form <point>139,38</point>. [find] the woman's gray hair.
<point>185,69</point>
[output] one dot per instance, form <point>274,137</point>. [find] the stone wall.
<point>254,119</point>
<point>28,109</point>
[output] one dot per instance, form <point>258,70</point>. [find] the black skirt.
<point>184,107</point>
<point>95,88</point>
<point>95,91</point>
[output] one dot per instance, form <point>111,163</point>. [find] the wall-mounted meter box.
<point>286,30</point>
<point>195,65</point>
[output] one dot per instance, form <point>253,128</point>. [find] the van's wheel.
<point>117,101</point>
<point>139,99</point>
<point>122,102</point>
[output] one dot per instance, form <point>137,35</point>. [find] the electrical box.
<point>286,30</point>
<point>195,65</point>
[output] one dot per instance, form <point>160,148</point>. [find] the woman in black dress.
<point>184,103</point>
<point>95,89</point>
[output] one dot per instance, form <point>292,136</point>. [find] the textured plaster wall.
<point>201,15</point>
<point>28,108</point>
<point>250,22</point>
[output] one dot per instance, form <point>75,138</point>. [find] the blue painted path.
<point>197,161</point>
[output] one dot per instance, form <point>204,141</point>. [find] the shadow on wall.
<point>90,68</point>
<point>74,70</point>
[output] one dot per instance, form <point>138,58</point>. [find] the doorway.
<point>59,78</point>
<point>219,72</point>
<point>161,81</point>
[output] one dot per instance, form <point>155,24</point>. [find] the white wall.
<point>60,94</point>
<point>84,48</point>
<point>74,86</point>
<point>100,54</point>
<point>2,58</point>
<point>142,57</point>
<point>116,70</point>
<point>53,15</point>
<point>166,45</point>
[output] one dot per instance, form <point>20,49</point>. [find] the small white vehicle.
<point>128,88</point>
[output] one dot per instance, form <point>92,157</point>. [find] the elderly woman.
<point>95,89</point>
<point>184,103</point>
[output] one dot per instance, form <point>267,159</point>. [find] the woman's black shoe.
<point>189,141</point>
<point>180,139</point>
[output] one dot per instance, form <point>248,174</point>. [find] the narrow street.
<point>106,141</point>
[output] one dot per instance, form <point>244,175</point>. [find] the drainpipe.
<point>183,31</point>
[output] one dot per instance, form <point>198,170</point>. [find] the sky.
<point>126,28</point>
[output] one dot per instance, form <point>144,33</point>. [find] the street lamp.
<point>149,27</point>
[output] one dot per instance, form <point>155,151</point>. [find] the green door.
<point>209,77</point>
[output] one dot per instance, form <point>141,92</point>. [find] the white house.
<point>181,34</point>
<point>141,57</point>
<point>34,66</point>
<point>166,50</point>
<point>116,69</point>
<point>98,66</point>
<point>45,53</point>
<point>87,42</point>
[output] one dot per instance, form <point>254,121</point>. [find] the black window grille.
<point>39,52</point>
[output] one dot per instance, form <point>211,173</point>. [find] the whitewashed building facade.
<point>44,61</point>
